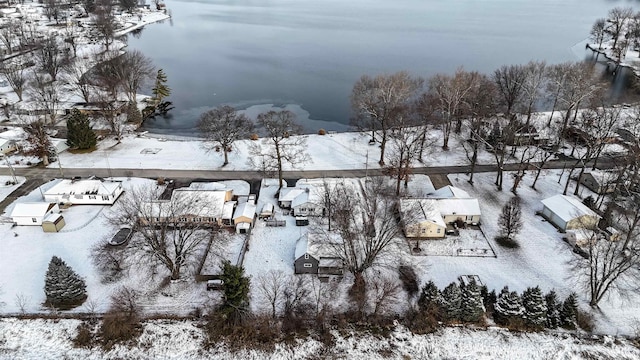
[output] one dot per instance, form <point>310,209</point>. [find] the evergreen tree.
<point>160,89</point>
<point>535,308</point>
<point>236,292</point>
<point>569,311</point>
<point>429,297</point>
<point>508,307</point>
<point>472,303</point>
<point>133,114</point>
<point>62,286</point>
<point>80,135</point>
<point>488,298</point>
<point>451,302</point>
<point>553,310</point>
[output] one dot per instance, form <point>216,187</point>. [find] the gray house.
<point>313,255</point>
<point>305,262</point>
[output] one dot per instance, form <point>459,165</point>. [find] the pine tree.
<point>80,135</point>
<point>553,310</point>
<point>133,114</point>
<point>429,297</point>
<point>160,89</point>
<point>63,287</point>
<point>535,308</point>
<point>236,292</point>
<point>451,302</point>
<point>569,311</point>
<point>508,307</point>
<point>472,303</point>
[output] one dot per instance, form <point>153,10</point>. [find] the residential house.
<point>421,219</point>
<point>33,213</point>
<point>302,199</point>
<point>600,182</point>
<point>455,205</point>
<point>314,255</point>
<point>187,207</point>
<point>86,192</point>
<point>568,213</point>
<point>7,146</point>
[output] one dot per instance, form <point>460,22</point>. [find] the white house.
<point>452,210</point>
<point>303,200</point>
<point>243,216</point>
<point>421,219</point>
<point>87,192</point>
<point>7,146</point>
<point>187,206</point>
<point>568,213</point>
<point>33,213</point>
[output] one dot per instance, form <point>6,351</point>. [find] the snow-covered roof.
<point>289,194</point>
<point>3,142</point>
<point>192,202</point>
<point>448,192</point>
<point>31,209</point>
<point>13,134</point>
<point>245,209</point>
<point>227,209</point>
<point>267,208</point>
<point>567,207</point>
<point>314,244</point>
<point>93,187</point>
<point>53,218</point>
<point>421,210</point>
<point>458,207</point>
<point>602,177</point>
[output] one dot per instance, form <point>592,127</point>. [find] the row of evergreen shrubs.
<point>470,303</point>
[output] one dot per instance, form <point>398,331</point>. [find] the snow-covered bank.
<point>164,339</point>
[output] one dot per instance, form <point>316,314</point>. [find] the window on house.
<point>423,231</point>
<point>78,196</point>
<point>306,256</point>
<point>105,198</point>
<point>469,217</point>
<point>92,197</point>
<point>34,219</point>
<point>439,230</point>
<point>308,265</point>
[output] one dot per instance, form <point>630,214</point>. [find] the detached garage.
<point>568,213</point>
<point>33,213</point>
<point>53,223</point>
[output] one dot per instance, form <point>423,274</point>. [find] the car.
<point>216,284</point>
<point>121,237</point>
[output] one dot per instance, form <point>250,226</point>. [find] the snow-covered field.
<point>49,339</point>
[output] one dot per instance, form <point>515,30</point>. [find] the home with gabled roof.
<point>188,207</point>
<point>302,199</point>
<point>314,255</point>
<point>86,192</point>
<point>35,213</point>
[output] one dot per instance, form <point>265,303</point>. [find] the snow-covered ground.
<point>165,339</point>
<point>7,186</point>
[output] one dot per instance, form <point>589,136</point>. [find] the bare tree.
<point>52,9</point>
<point>579,86</point>
<point>50,57</point>
<point>617,19</point>
<point>365,223</point>
<point>105,21</point>
<point>510,220</point>
<point>46,95</point>
<point>599,31</point>
<point>384,292</point>
<point>109,114</point>
<point>21,301</point>
<point>163,236</point>
<point>609,266</point>
<point>451,93</point>
<point>14,73</point>
<point>38,142</point>
<point>223,126</point>
<point>536,76</point>
<point>279,146</point>
<point>510,80</point>
<point>77,76</point>
<point>322,295</point>
<point>271,286</point>
<point>9,35</point>
<point>132,70</point>
<point>378,103</point>
<point>110,260</point>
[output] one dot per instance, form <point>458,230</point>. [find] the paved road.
<point>50,173</point>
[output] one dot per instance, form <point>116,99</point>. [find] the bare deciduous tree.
<point>609,266</point>
<point>111,261</point>
<point>380,101</point>
<point>77,76</point>
<point>533,86</point>
<point>617,19</point>
<point>38,142</point>
<point>105,21</point>
<point>510,220</point>
<point>132,70</point>
<point>223,126</point>
<point>271,286</point>
<point>14,73</point>
<point>599,31</point>
<point>365,223</point>
<point>50,57</point>
<point>384,292</point>
<point>46,94</point>
<point>279,146</point>
<point>163,234</point>
<point>510,80</point>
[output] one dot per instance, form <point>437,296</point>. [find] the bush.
<point>84,337</point>
<point>409,279</point>
<point>118,328</point>
<point>506,242</point>
<point>322,132</point>
<point>160,181</point>
<point>584,321</point>
<point>254,137</point>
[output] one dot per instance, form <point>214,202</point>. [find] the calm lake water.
<point>308,53</point>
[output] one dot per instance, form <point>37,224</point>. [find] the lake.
<point>307,54</point>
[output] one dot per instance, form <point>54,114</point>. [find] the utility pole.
<point>13,174</point>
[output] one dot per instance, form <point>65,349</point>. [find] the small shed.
<point>305,262</point>
<point>302,221</point>
<point>600,182</point>
<point>267,211</point>
<point>568,213</point>
<point>53,223</point>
